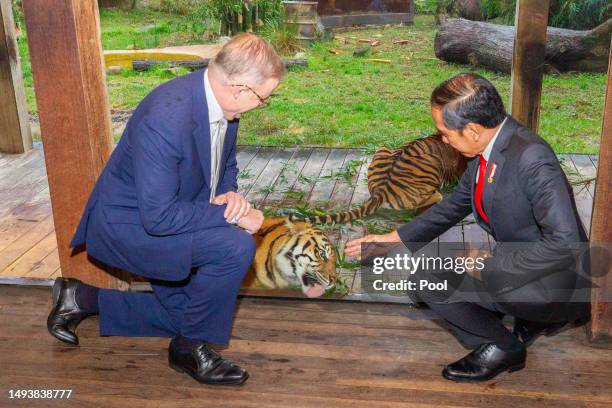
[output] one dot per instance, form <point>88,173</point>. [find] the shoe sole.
<point>466,379</point>
<point>229,383</point>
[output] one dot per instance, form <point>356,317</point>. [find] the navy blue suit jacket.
<point>154,191</point>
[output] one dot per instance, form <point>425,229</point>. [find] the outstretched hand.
<point>353,248</point>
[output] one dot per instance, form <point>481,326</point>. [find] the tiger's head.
<point>314,258</point>
<point>295,253</point>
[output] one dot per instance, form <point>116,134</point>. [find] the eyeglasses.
<point>262,101</point>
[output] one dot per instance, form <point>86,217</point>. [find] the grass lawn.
<point>341,100</point>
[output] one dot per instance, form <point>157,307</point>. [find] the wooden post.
<point>70,84</point>
<point>15,136</point>
<point>528,60</point>
<point>601,225</point>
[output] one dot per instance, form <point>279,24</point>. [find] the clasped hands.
<point>240,212</point>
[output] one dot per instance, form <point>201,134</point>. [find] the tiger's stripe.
<point>406,178</point>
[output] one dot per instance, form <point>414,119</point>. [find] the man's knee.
<point>242,246</point>
<point>431,288</point>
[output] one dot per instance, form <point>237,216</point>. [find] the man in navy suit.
<point>166,207</point>
<point>518,193</point>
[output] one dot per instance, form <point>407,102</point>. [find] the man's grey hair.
<point>248,55</point>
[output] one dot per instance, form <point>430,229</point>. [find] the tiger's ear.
<point>290,224</point>
<point>269,224</point>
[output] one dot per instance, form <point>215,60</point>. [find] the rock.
<point>361,51</point>
<point>113,70</point>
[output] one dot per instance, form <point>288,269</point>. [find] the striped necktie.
<point>217,138</point>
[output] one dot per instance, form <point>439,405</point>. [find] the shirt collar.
<point>487,151</point>
<point>215,113</point>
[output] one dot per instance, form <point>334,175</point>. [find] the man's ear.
<point>236,91</point>
<point>472,130</point>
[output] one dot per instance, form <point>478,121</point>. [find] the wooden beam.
<point>601,227</point>
<point>528,60</point>
<point>70,84</point>
<point>15,136</point>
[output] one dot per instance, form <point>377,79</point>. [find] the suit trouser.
<point>472,316</point>
<point>468,311</point>
<point>201,307</point>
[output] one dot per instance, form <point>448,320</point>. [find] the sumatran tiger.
<point>294,253</point>
<point>407,178</point>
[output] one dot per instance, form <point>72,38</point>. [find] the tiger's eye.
<point>323,253</point>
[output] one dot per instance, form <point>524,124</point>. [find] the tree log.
<point>145,65</point>
<point>490,46</point>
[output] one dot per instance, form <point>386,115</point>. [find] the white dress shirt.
<point>487,151</point>
<point>218,127</point>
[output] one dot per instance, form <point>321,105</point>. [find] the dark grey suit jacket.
<point>528,201</point>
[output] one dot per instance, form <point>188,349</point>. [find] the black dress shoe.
<point>66,313</point>
<point>484,363</point>
<point>527,332</point>
<point>206,366</point>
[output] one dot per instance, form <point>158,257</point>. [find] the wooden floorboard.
<point>267,179</point>
<point>323,188</point>
<point>255,168</point>
<point>287,178</point>
<point>299,354</point>
<point>582,181</point>
<point>307,177</point>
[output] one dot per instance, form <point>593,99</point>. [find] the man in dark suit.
<point>518,194</point>
<point>166,207</point>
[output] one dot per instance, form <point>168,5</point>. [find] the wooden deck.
<point>299,354</point>
<point>270,177</point>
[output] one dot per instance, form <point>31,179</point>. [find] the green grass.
<point>346,101</point>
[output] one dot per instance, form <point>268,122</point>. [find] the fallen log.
<point>490,46</point>
<point>145,65</point>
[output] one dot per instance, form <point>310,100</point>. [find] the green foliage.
<point>184,7</point>
<point>241,15</point>
<point>17,11</point>
<point>581,14</point>
<point>573,14</point>
<point>197,13</point>
<point>340,289</point>
<point>345,173</point>
<point>301,211</point>
<point>426,6</point>
<point>283,37</point>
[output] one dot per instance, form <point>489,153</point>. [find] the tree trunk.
<point>490,46</point>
